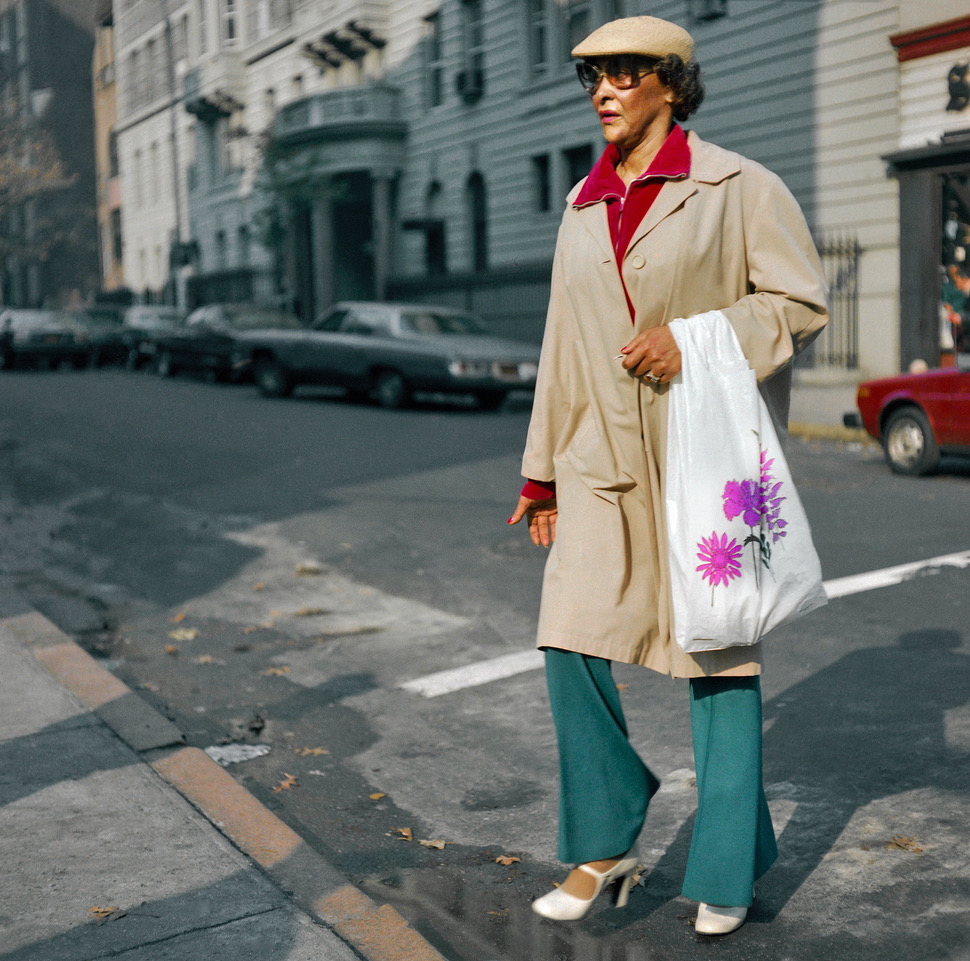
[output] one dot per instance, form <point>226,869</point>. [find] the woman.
<point>664,226</point>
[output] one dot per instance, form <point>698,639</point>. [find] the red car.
<point>916,416</point>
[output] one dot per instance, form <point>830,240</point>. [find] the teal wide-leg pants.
<point>605,787</point>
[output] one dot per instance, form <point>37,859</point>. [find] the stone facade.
<point>421,149</point>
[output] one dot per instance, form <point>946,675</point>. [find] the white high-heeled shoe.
<point>714,919</point>
<point>558,905</point>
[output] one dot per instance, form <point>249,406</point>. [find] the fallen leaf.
<point>308,751</point>
<point>289,781</point>
<point>208,659</point>
<point>905,844</point>
<point>377,795</point>
<point>275,671</point>
<point>172,650</point>
<point>405,834</point>
<point>308,570</point>
<point>184,634</point>
<point>438,845</point>
<point>259,587</point>
<point>106,914</point>
<point>622,687</point>
<point>178,617</point>
<point>310,612</point>
<point>507,859</point>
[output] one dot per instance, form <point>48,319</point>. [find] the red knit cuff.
<point>539,490</point>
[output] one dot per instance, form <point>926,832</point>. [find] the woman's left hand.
<point>653,355</point>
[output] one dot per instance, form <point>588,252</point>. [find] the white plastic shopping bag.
<point>741,556</point>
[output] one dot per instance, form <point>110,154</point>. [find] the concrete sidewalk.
<point>109,841</point>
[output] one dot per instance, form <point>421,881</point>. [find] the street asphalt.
<point>119,841</point>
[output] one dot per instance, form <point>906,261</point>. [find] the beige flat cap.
<point>649,36</point>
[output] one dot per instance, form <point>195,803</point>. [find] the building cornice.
<point>938,38</point>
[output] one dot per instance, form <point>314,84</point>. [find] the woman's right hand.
<point>542,519</point>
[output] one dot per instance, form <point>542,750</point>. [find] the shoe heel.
<point>621,890</point>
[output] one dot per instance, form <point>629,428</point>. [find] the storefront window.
<point>955,264</point>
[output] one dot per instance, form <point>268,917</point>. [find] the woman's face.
<point>635,114</point>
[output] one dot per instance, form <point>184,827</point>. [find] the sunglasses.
<point>622,72</point>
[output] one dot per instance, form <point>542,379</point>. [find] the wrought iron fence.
<point>837,347</point>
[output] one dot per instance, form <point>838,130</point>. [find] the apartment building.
<point>422,149</point>
<point>48,249</point>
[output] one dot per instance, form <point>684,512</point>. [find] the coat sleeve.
<point>785,308</point>
<point>550,407</point>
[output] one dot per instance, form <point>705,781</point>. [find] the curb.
<point>377,933</point>
<point>829,432</point>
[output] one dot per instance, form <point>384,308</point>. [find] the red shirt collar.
<point>671,163</point>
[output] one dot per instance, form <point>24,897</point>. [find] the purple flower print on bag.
<point>758,503</point>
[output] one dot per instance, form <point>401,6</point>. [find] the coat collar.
<point>709,164</point>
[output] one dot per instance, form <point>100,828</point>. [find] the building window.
<point>153,172</point>
<point>478,218</point>
<point>136,176</point>
<point>202,31</point>
<point>541,188</point>
<point>243,244</point>
<point>701,10</point>
<point>578,161</point>
<point>117,248</point>
<point>230,34</point>
<point>577,24</point>
<point>435,250</point>
<point>134,80</point>
<point>181,38</point>
<point>151,71</point>
<point>113,154</point>
<point>222,251</point>
<point>434,64</point>
<point>538,34</point>
<point>471,78</point>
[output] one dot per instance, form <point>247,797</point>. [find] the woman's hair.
<point>684,79</point>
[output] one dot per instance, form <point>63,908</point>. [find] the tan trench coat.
<point>729,237</point>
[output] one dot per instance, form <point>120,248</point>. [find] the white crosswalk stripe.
<point>499,668</point>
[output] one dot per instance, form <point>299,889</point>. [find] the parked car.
<point>40,338</point>
<point>918,416</point>
<point>103,328</point>
<point>390,351</point>
<point>143,325</point>
<point>213,341</point>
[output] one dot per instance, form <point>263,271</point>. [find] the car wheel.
<point>490,399</point>
<point>909,443</point>
<point>163,365</point>
<point>271,379</point>
<point>391,390</point>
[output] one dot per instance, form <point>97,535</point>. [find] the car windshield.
<point>439,322</point>
<point>255,318</point>
<point>155,318</point>
<point>104,317</point>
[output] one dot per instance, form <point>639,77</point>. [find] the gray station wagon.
<point>391,351</point>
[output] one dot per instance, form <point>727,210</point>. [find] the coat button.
<point>637,261</point>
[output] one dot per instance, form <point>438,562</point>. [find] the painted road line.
<point>857,583</point>
<point>472,675</point>
<point>499,668</point>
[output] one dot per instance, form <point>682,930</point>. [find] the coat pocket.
<point>594,460</point>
